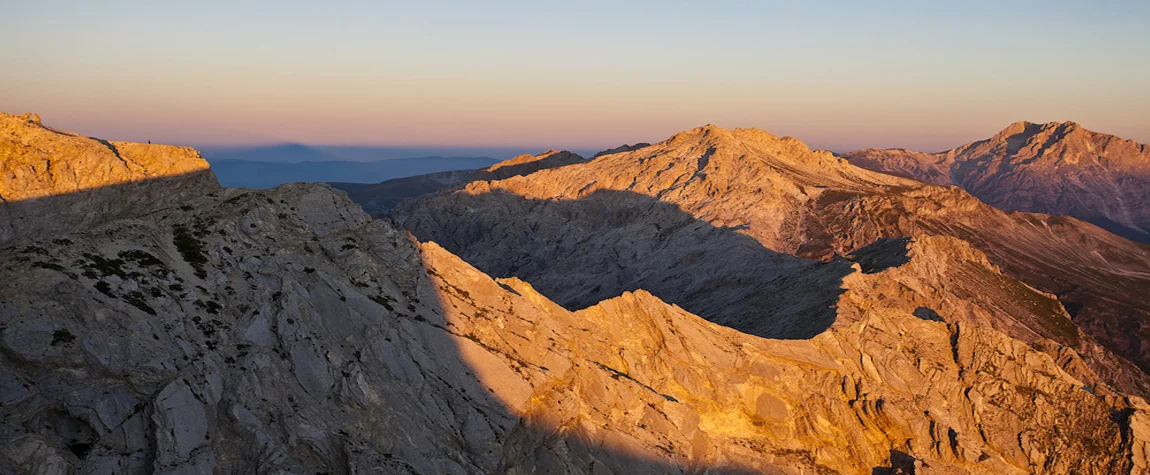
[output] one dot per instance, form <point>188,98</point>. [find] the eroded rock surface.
<point>712,220</point>
<point>89,180</point>
<point>346,346</point>
<point>1054,168</point>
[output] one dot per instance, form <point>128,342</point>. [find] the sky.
<point>925,75</point>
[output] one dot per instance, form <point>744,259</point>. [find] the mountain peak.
<point>1052,167</point>
<point>1032,128</point>
<point>715,136</point>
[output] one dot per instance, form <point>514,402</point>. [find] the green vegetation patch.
<point>48,265</point>
<point>191,249</point>
<point>141,257</point>
<point>137,299</point>
<point>62,337</point>
<point>104,267</point>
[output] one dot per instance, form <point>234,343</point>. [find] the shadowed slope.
<point>582,251</point>
<point>1093,272</point>
<point>380,197</point>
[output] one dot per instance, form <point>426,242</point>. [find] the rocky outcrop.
<point>54,181</point>
<point>621,148</point>
<point>1054,168</point>
<point>527,164</point>
<point>1092,272</point>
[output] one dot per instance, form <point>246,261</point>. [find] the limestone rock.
<point>54,181</point>
<point>728,224</point>
<point>1054,168</point>
<point>285,331</point>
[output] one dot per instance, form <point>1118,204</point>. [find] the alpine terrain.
<point>1055,168</point>
<point>725,301</point>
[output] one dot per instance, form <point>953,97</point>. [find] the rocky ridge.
<point>1054,168</point>
<point>55,181</point>
<point>713,220</point>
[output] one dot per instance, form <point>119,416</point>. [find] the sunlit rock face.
<point>1055,168</point>
<point>285,331</point>
<point>56,181</point>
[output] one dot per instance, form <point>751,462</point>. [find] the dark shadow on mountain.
<point>1017,140</point>
<point>882,255</point>
<point>928,314</point>
<point>580,252</point>
<point>901,463</point>
<point>91,207</point>
<point>1119,229</point>
<point>102,416</point>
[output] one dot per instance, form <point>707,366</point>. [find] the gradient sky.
<point>927,75</point>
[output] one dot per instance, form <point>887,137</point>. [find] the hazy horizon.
<point>839,76</point>
<point>292,152</point>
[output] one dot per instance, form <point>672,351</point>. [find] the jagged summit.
<point>29,116</point>
<point>1024,125</point>
<point>754,146</point>
<point>1054,167</point>
<point>713,157</point>
<point>718,136</point>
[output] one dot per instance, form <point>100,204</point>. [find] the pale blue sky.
<point>839,75</point>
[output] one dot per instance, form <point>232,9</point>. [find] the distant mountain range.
<point>1055,168</point>
<point>267,166</point>
<point>260,175</point>
<point>294,152</point>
